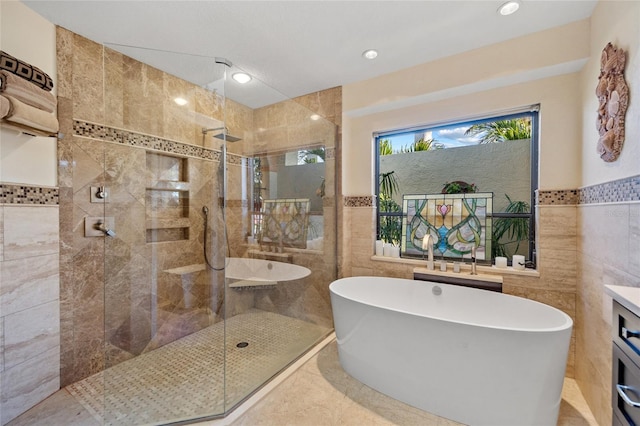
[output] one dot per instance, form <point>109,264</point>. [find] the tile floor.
<point>316,394</point>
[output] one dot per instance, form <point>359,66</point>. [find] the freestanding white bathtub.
<point>473,356</point>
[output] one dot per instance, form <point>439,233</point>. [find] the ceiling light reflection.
<point>241,77</point>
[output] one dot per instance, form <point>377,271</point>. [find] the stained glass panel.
<point>285,222</point>
<point>456,223</point>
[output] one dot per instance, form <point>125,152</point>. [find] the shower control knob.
<point>102,192</point>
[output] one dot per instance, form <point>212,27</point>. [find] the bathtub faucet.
<point>427,245</point>
<point>473,261</point>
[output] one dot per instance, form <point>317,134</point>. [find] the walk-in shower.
<point>150,334</point>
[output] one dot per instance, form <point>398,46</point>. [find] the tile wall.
<point>130,138</point>
<point>608,247</point>
<point>29,297</point>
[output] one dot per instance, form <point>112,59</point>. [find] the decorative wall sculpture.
<point>613,98</point>
<point>456,223</point>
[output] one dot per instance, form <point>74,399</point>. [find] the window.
<point>492,161</point>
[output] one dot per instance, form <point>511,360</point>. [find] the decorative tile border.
<point>621,190</point>
<point>101,132</point>
<point>25,194</point>
<point>616,191</point>
<point>559,197</point>
<point>329,153</point>
<point>364,201</point>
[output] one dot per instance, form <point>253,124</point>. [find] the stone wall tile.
<point>28,283</point>
<point>30,231</point>
<point>31,332</point>
<point>634,240</point>
<point>1,234</point>
<point>29,383</point>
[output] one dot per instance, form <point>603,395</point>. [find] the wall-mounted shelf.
<point>167,198</point>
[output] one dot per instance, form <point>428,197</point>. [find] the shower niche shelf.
<point>168,168</point>
<point>167,198</point>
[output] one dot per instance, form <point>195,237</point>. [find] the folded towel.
<point>27,92</point>
<point>26,71</point>
<point>5,107</point>
<point>31,117</point>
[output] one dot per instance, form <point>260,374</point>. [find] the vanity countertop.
<point>629,297</point>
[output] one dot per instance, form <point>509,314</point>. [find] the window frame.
<point>532,111</point>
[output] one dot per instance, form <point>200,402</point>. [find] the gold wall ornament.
<point>613,98</point>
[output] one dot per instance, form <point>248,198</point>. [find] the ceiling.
<point>293,48</point>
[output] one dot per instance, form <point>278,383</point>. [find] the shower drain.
<point>242,345</point>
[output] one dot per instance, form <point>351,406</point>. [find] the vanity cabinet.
<point>626,365</point>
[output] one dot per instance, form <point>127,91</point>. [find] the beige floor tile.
<point>59,409</point>
<point>319,393</point>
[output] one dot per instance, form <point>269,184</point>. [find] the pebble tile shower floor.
<point>186,378</point>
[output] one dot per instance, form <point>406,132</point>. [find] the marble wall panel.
<point>64,63</point>
<point>86,77</point>
<point>634,239</point>
<point>28,282</point>
<point>114,93</point>
<point>605,228</point>
<point>29,383</point>
<point>142,98</point>
<point>30,231</point>
<point>1,234</point>
<point>2,353</point>
<point>65,151</point>
<point>141,306</point>
<point>607,255</point>
<point>30,332</point>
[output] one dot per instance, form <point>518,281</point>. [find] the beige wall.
<point>581,247</point>
<point>617,22</point>
<point>483,81</point>
<point>29,236</point>
<point>608,231</point>
<point>543,69</point>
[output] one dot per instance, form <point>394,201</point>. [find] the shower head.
<point>227,137</point>
<point>224,134</point>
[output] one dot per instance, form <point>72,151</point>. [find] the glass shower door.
<point>163,307</point>
<point>280,219</point>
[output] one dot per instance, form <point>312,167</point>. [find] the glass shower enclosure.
<point>216,215</point>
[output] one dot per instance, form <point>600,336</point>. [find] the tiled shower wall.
<point>29,297</point>
<point>116,300</point>
<point>114,293</point>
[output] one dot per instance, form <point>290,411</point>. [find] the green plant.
<point>390,226</point>
<point>459,187</point>
<point>502,130</point>
<point>309,156</point>
<point>510,231</point>
<point>385,147</point>
<point>419,145</point>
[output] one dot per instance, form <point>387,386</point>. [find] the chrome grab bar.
<point>622,392</point>
<point>627,334</point>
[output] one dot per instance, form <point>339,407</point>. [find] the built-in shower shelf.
<point>163,235</point>
<point>188,269</point>
<point>158,223</point>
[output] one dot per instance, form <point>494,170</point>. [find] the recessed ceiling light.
<point>509,7</point>
<point>180,101</point>
<point>370,54</point>
<point>241,77</point>
<point>315,117</point>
